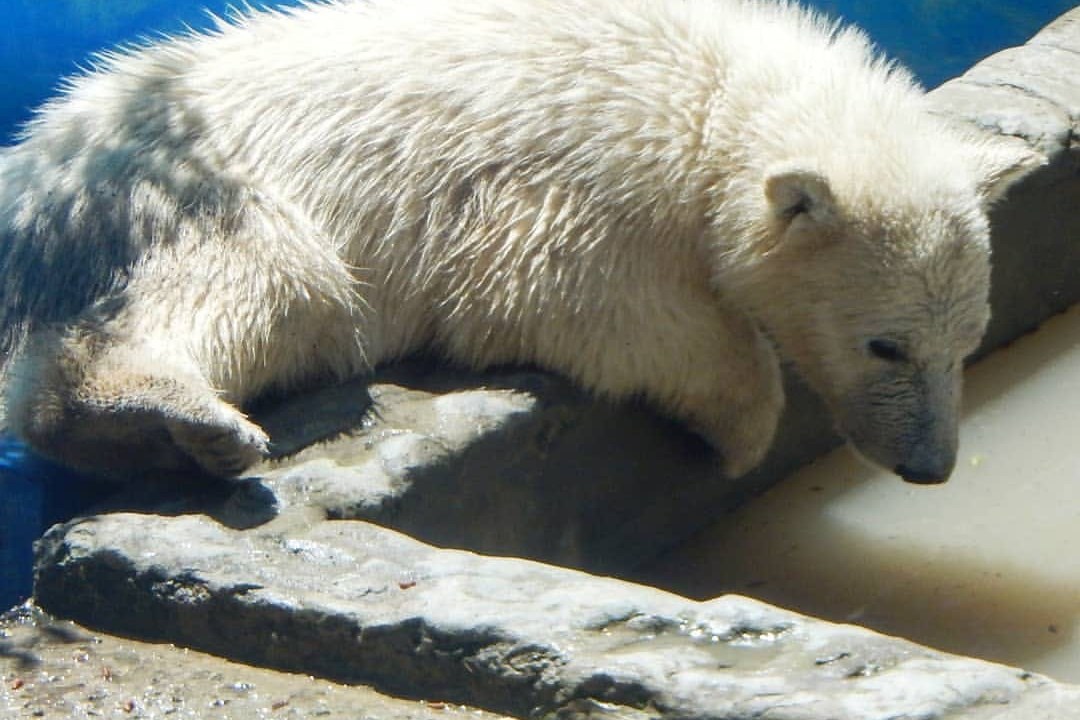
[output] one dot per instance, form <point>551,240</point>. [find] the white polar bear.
<point>644,195</point>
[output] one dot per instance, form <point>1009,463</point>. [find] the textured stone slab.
<point>1007,110</point>
<point>1063,33</point>
<point>57,670</point>
<point>1031,92</point>
<point>1041,71</point>
<point>355,602</point>
<point>514,463</point>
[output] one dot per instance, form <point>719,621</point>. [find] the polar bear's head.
<point>878,293</point>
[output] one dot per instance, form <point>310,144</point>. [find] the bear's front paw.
<point>223,447</point>
<point>741,454</point>
<point>742,432</point>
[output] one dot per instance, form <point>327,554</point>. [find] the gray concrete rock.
<point>522,464</point>
<point>358,603</point>
<point>1061,33</point>
<point>57,670</point>
<point>1031,92</point>
<point>1007,110</point>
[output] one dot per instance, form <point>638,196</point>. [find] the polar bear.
<point>656,198</point>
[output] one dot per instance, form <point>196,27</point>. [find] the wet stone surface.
<point>58,670</point>
<point>357,603</point>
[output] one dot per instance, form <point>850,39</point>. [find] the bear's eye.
<point>886,350</point>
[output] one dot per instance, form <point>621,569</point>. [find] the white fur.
<point>625,191</point>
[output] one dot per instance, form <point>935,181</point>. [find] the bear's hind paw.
<point>222,449</point>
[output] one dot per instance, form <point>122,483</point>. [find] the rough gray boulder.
<point>1031,92</point>
<point>518,463</point>
<point>359,603</point>
<point>58,670</point>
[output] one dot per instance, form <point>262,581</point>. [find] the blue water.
<point>44,40</point>
<point>940,39</point>
<point>34,494</point>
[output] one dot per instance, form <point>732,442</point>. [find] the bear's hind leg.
<point>115,410</point>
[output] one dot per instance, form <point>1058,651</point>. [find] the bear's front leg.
<point>736,402</point>
<point>698,361</point>
<point>720,375</point>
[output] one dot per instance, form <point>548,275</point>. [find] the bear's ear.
<point>792,192</point>
<point>1001,164</point>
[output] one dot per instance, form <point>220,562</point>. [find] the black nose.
<point>921,476</point>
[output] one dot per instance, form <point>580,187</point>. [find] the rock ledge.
<point>354,602</point>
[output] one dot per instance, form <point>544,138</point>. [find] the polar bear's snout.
<point>929,464</point>
<point>935,475</point>
<point>907,420</point>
